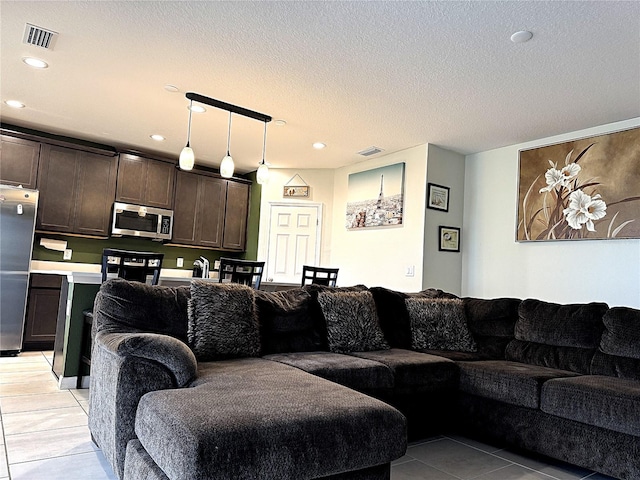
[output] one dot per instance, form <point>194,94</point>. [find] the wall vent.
<point>38,36</point>
<point>367,152</point>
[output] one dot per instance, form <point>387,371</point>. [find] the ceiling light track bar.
<point>196,97</point>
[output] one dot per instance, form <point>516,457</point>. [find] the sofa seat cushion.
<point>505,381</point>
<point>252,418</point>
<point>353,372</point>
<point>607,402</point>
<point>416,370</point>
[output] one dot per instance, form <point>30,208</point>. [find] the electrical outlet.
<point>410,271</point>
<point>180,262</point>
<point>67,254</point>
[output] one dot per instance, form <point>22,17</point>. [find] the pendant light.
<point>262,175</point>
<point>227,166</point>
<point>187,157</point>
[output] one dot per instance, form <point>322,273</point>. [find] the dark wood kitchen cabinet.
<point>19,161</point>
<point>210,211</point>
<point>77,190</point>
<point>42,312</point>
<point>145,181</point>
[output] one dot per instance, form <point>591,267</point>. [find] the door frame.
<point>316,205</point>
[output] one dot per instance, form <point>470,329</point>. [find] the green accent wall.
<point>83,297</point>
<point>253,223</point>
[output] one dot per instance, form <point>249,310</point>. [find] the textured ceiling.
<point>350,74</point>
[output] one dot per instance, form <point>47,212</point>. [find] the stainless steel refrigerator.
<point>17,223</point>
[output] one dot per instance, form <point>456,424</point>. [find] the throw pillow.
<point>439,324</point>
<point>222,321</point>
<point>352,321</point>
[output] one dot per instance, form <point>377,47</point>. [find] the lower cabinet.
<point>210,211</point>
<point>42,312</point>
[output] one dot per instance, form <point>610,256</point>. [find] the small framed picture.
<point>295,191</point>
<point>438,198</point>
<point>449,239</point>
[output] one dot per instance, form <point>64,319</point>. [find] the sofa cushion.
<point>393,315</point>
<point>509,382</point>
<point>439,324</point>
<point>621,336</point>
<point>252,418</point>
<point>352,321</point>
<point>606,402</point>
<point>614,366</point>
<point>286,323</point>
<point>123,306</point>
<point>222,321</point>
<point>572,331</point>
<point>492,323</point>
<point>353,372</point>
<point>414,370</point>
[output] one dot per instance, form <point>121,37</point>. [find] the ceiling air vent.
<point>38,36</point>
<point>367,152</point>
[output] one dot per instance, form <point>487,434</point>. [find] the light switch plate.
<point>180,262</point>
<point>67,254</point>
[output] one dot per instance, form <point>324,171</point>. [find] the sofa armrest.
<point>125,367</point>
<point>169,352</point>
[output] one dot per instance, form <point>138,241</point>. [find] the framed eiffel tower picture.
<point>375,198</point>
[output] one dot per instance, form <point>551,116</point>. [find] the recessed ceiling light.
<point>157,138</point>
<point>171,88</point>
<point>35,62</point>
<point>14,103</point>
<point>319,145</point>
<point>197,108</point>
<point>280,123</point>
<point>521,36</point>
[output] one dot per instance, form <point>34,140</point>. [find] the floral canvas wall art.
<point>583,189</point>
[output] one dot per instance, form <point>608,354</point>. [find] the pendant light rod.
<point>229,135</point>
<point>264,142</point>
<point>196,97</point>
<point>189,127</point>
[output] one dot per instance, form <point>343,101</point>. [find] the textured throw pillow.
<point>352,321</point>
<point>439,324</point>
<point>222,321</point>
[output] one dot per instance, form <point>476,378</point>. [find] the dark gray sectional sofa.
<point>223,382</point>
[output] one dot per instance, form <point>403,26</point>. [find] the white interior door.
<point>294,240</point>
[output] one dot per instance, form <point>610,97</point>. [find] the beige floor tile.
<point>81,394</point>
<point>25,422</point>
<point>14,389</point>
<point>82,466</point>
<point>24,367</point>
<point>4,469</point>
<point>24,377</point>
<point>85,406</point>
<point>27,447</point>
<point>26,357</point>
<point>28,403</point>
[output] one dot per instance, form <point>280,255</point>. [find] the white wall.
<point>495,265</point>
<point>380,256</point>
<point>321,191</point>
<point>444,269</point>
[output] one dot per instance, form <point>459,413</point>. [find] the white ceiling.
<point>350,74</point>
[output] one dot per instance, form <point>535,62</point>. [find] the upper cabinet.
<point>77,190</point>
<point>210,211</point>
<point>19,161</point>
<point>145,181</point>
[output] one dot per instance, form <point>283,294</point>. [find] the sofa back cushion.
<point>352,321</point>
<point>286,323</point>
<point>393,314</point>
<point>619,353</point>
<point>123,306</point>
<point>222,321</point>
<point>439,324</point>
<point>557,336</point>
<point>492,323</point>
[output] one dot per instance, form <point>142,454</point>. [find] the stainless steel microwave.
<point>140,221</point>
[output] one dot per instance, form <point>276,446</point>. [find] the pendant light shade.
<point>227,166</point>
<point>187,157</point>
<point>262,175</point>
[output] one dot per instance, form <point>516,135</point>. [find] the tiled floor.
<point>45,437</point>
